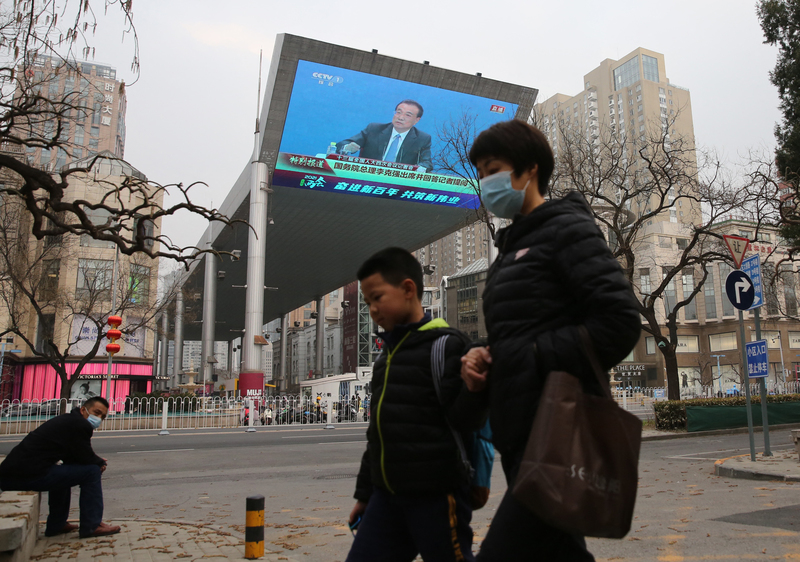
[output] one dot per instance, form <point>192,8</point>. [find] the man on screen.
<point>398,141</point>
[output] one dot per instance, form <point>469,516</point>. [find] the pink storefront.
<point>40,381</point>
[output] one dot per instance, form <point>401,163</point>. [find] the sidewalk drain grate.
<point>335,476</point>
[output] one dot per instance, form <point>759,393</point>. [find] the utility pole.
<point>719,372</point>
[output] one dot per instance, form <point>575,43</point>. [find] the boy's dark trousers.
<point>396,529</point>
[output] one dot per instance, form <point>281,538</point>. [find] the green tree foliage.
<point>780,21</point>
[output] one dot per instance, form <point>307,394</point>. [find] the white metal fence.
<point>640,399</point>
<point>19,417</point>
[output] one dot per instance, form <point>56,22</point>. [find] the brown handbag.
<point>579,472</point>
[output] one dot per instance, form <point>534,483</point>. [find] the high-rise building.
<point>628,103</point>
<point>90,103</point>
<point>82,108</point>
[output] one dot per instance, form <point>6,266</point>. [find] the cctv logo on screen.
<point>322,78</point>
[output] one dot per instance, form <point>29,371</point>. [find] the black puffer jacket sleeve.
<point>599,289</point>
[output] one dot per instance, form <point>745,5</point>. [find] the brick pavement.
<point>152,541</point>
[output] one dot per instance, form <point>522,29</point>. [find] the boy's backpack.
<point>476,449</point>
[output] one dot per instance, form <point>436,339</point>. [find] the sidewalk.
<point>152,541</point>
<point>783,465</point>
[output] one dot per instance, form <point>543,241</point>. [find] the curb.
<point>721,470</point>
<point>732,431</point>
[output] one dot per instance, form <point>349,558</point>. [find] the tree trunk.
<point>66,390</point>
<point>671,364</point>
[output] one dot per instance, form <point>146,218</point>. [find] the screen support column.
<point>284,337</point>
<point>256,262</point>
<point>177,359</point>
<point>320,337</point>
<point>164,359</point>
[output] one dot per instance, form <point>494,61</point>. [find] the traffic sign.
<point>757,364</point>
<point>752,267</point>
<point>737,247</point>
<point>739,289</point>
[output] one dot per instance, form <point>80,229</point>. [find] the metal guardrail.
<point>131,414</point>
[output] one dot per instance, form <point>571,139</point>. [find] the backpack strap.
<point>437,370</point>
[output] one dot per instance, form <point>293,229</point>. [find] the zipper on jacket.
<point>378,412</point>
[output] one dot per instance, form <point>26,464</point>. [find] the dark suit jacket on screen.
<point>373,140</point>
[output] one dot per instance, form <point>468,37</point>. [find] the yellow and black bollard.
<point>254,528</point>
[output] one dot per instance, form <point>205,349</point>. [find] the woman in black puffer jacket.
<point>554,273</point>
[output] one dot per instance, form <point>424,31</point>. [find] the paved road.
<point>683,511</point>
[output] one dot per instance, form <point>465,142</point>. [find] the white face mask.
<point>500,197</point>
<point>95,421</point>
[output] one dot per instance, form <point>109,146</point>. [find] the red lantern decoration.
<point>113,335</point>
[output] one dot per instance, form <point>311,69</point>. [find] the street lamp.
<point>719,373</point>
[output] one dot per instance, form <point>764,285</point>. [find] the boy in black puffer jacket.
<point>412,489</point>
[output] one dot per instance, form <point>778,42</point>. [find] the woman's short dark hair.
<point>395,265</point>
<point>521,144</point>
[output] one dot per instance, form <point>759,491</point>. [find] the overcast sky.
<point>191,114</point>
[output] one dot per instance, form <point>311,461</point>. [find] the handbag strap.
<point>437,370</point>
<point>588,349</point>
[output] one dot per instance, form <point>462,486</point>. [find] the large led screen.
<point>359,134</point>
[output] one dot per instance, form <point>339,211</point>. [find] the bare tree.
<point>39,42</point>
<point>58,323</point>
<point>457,135</point>
<point>636,182</point>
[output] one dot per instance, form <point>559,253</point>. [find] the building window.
<point>650,68</point>
<point>710,297</point>
<point>789,291</point>
<point>650,345</point>
<point>770,293</point>
<point>670,294</point>
<point>722,342</point>
<point>627,73</point>
<point>690,310</point>
<point>688,344</point>
<point>145,230</point>
<point>94,276</point>
<point>683,243</point>
<point>45,332</point>
<point>139,284</point>
<point>49,281</point>
<point>98,217</point>
<point>727,307</point>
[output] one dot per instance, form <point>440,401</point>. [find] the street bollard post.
<point>254,528</point>
<point>250,417</point>
<point>330,416</point>
<point>164,411</point>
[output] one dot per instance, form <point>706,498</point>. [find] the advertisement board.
<point>356,133</point>
<point>85,333</point>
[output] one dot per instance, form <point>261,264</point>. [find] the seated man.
<point>33,466</point>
